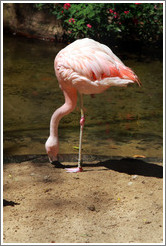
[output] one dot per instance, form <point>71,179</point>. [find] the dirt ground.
<point>112,201</point>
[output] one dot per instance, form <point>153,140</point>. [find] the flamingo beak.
<point>52,159</point>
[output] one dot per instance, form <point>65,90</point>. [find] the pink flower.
<point>137,3</point>
<point>126,12</point>
<point>88,25</point>
<point>111,11</point>
<point>116,15</point>
<point>66,6</point>
<point>71,20</point>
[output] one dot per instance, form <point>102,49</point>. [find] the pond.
<point>119,122</point>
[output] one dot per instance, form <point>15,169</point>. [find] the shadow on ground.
<point>131,166</point>
<point>9,203</point>
<point>125,165</point>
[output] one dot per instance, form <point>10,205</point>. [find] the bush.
<point>108,21</point>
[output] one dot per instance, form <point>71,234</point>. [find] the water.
<point>119,122</point>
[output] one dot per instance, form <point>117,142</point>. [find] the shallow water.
<point>120,121</point>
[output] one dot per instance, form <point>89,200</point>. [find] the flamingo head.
<point>52,148</point>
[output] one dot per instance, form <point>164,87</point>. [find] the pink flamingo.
<point>88,67</point>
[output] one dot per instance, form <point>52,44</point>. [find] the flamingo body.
<point>91,67</point>
<point>88,67</point>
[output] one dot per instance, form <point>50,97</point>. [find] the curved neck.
<point>66,108</point>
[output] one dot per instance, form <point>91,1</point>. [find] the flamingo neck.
<point>66,108</point>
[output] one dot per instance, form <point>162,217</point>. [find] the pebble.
<point>46,177</point>
<point>134,176</point>
<point>148,222</point>
<point>92,208</point>
<point>130,183</point>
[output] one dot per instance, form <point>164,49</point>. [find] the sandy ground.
<point>114,201</point>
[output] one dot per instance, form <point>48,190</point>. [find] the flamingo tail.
<point>127,72</point>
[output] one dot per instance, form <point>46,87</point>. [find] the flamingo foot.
<point>74,170</point>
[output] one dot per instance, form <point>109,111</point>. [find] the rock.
<point>22,19</point>
<point>134,176</point>
<point>91,208</point>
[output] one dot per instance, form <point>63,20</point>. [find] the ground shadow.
<point>9,203</point>
<point>134,166</point>
<point>129,166</point>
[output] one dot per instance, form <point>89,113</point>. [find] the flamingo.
<point>88,67</point>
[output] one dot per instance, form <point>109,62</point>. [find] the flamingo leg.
<point>82,122</point>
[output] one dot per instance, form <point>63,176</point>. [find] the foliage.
<point>105,21</point>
